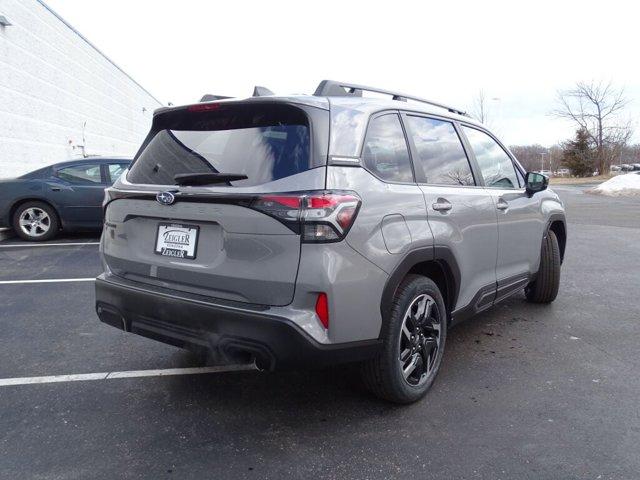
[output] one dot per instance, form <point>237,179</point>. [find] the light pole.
<point>542,154</point>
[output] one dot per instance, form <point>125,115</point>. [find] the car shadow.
<point>315,389</point>
<point>66,237</point>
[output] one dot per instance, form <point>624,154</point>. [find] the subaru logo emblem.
<point>165,198</point>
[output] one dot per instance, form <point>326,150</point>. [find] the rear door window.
<point>441,159</point>
<point>385,152</point>
<point>263,143</point>
<point>81,174</point>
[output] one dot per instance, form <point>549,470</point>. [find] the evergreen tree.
<point>578,154</point>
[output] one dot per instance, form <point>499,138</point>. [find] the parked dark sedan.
<point>65,196</point>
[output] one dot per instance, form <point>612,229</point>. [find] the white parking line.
<point>83,377</point>
<point>47,280</point>
<point>22,245</point>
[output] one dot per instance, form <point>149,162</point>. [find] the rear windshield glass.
<point>265,143</point>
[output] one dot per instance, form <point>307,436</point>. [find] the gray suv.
<point>319,229</point>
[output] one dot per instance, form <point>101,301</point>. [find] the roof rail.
<point>331,88</point>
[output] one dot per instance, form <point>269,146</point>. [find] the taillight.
<point>346,216</point>
<point>319,216</point>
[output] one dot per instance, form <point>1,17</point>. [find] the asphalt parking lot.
<point>526,391</point>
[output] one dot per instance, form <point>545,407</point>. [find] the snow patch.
<point>621,185</point>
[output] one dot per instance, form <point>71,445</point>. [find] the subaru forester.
<point>308,230</point>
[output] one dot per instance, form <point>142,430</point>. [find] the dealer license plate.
<point>177,240</point>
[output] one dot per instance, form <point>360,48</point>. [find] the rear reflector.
<point>322,309</point>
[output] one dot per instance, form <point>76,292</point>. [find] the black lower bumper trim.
<point>274,341</point>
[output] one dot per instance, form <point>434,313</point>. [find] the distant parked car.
<point>65,196</point>
<point>546,173</point>
<point>615,168</point>
<point>636,166</point>
<point>626,168</point>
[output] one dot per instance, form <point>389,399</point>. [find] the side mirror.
<point>535,182</point>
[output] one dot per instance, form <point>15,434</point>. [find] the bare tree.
<point>630,154</point>
<point>480,109</point>
<point>596,107</point>
<point>555,157</point>
<point>529,156</point>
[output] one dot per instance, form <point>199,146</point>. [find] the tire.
<point>544,289</point>
<point>383,375</point>
<point>35,221</point>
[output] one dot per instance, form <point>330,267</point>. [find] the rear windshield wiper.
<point>206,178</point>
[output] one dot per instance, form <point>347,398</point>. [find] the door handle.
<point>502,204</point>
<point>442,205</point>
<point>55,189</point>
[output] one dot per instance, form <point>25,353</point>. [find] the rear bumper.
<point>194,322</point>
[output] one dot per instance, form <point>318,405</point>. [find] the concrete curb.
<point>6,233</point>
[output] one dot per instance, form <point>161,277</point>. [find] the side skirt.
<point>490,295</point>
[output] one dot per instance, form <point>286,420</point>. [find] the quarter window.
<point>441,157</point>
<point>495,165</point>
<point>385,150</point>
<point>81,174</point>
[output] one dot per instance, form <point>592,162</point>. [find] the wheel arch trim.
<point>560,231</point>
<point>439,256</point>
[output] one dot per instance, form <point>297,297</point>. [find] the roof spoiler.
<point>261,91</point>
<point>257,92</point>
<point>331,88</point>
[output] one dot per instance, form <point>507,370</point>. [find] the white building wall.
<point>56,88</point>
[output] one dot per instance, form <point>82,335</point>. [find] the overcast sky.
<point>519,53</point>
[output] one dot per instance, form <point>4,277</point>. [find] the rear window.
<point>263,142</point>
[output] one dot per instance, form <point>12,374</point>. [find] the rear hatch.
<point>221,239</point>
